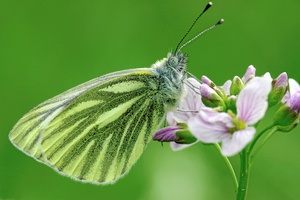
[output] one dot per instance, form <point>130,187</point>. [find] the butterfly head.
<point>177,61</point>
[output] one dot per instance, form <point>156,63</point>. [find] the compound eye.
<point>173,61</point>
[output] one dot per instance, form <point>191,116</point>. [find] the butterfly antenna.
<point>201,33</point>
<point>205,9</point>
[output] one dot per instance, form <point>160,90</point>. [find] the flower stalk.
<point>230,167</point>
<point>255,152</point>
<point>244,175</point>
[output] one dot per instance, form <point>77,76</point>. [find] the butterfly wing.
<point>96,131</point>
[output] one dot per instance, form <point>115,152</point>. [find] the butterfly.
<point>96,131</point>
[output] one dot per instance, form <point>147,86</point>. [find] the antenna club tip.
<point>207,7</point>
<point>221,21</point>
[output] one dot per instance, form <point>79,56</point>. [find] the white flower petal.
<point>190,101</point>
<point>294,86</point>
<point>176,147</point>
<point>170,118</point>
<point>252,100</point>
<point>268,76</point>
<point>213,116</point>
<point>192,98</point>
<point>286,97</point>
<point>174,117</point>
<point>226,87</point>
<point>210,126</point>
<point>194,82</point>
<point>236,142</point>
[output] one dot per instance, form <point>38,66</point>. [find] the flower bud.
<point>231,103</point>
<point>286,119</point>
<point>208,82</point>
<point>185,137</point>
<point>250,73</point>
<point>236,86</point>
<point>167,134</point>
<point>210,97</point>
<point>279,88</point>
<point>221,92</point>
<point>179,134</point>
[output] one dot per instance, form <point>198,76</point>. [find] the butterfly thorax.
<point>171,74</point>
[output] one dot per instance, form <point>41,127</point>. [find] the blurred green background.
<point>47,47</point>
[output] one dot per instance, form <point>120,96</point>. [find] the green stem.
<point>252,144</point>
<point>244,175</point>
<point>273,130</point>
<point>245,161</point>
<point>229,165</point>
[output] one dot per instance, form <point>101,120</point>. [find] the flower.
<point>234,131</point>
<point>287,116</point>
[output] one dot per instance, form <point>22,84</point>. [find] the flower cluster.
<point>229,114</point>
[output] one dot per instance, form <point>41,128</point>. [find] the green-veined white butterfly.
<point>96,131</point>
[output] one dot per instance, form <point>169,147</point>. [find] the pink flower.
<point>234,131</point>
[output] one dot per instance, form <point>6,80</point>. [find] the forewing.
<point>25,135</point>
<point>96,131</point>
